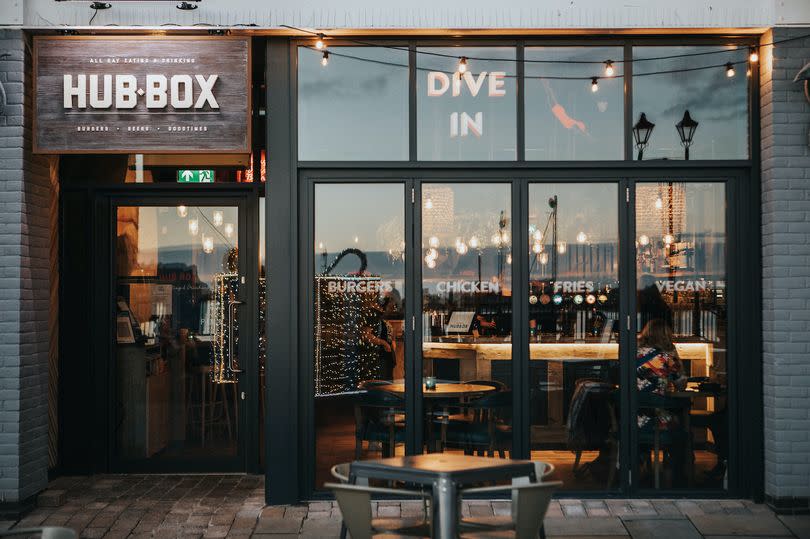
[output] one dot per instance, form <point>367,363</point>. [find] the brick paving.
<point>118,506</point>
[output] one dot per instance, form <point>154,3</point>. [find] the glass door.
<point>574,332</point>
<point>466,393</point>
<point>183,340</point>
<point>357,306</point>
<point>681,361</point>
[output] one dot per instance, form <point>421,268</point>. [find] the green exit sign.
<point>195,176</point>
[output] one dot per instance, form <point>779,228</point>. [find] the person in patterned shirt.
<point>658,368</point>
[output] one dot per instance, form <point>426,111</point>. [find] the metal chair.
<point>47,532</point>
<point>341,473</point>
<point>529,506</point>
<point>355,505</point>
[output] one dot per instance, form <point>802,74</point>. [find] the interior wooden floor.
<point>335,443</point>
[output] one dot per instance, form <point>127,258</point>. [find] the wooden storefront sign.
<point>142,94</point>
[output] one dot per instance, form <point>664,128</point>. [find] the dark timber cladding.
<point>139,95</point>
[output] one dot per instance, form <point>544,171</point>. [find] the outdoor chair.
<point>529,505</point>
<point>47,532</point>
<point>355,505</point>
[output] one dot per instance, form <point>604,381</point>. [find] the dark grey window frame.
<point>290,464</point>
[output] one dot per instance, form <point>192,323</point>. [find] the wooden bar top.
<point>550,351</point>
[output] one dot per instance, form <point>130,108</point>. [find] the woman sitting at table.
<point>658,371</point>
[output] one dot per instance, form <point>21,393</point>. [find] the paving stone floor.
<point>119,506</point>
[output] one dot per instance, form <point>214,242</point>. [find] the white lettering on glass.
<point>442,79</point>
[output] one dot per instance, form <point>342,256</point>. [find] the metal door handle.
<point>231,316</point>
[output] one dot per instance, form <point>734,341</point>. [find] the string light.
<point>218,219</point>
<point>537,248</point>
<point>325,59</point>
<point>319,43</point>
<point>730,70</point>
<point>659,203</point>
<point>609,71</point>
<point>428,204</point>
<point>562,247</point>
<point>474,242</point>
<point>753,55</point>
<point>229,230</point>
<point>433,241</point>
<point>462,65</point>
<point>582,237</point>
<point>193,226</point>
<point>208,244</point>
<point>644,239</point>
<point>182,211</point>
<point>594,84</point>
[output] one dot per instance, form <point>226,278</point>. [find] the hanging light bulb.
<point>594,84</point>
<point>582,237</point>
<point>433,253</point>
<point>208,244</point>
<point>644,239</point>
<point>461,247</point>
<point>428,204</point>
<point>609,71</point>
<point>544,258</point>
<point>462,64</point>
<point>538,236</point>
<point>319,42</point>
<point>325,59</point>
<point>505,237</point>
<point>537,248</point>
<point>753,55</point>
<point>229,231</point>
<point>433,241</point>
<point>659,203</point>
<point>562,247</point>
<point>218,219</point>
<point>474,242</point>
<point>193,226</point>
<point>668,239</point>
<point>320,246</point>
<point>431,263</point>
<point>182,211</point>
<point>730,70</point>
<point>356,239</point>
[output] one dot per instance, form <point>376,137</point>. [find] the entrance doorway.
<point>184,343</point>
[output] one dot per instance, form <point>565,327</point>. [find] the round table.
<point>443,389</point>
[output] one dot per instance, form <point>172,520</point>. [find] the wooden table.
<point>443,390</point>
<point>445,473</point>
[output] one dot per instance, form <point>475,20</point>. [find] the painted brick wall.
<point>785,115</point>
<point>25,196</point>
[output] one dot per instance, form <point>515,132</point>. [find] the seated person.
<point>658,370</point>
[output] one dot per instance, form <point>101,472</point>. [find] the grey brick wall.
<point>785,116</point>
<point>25,197</point>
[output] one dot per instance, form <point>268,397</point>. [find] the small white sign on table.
<point>460,322</point>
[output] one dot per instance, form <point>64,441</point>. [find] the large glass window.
<point>681,364</point>
<point>467,317</point>
<point>355,107</point>
<point>717,102</point>
<point>573,331</point>
<point>565,119</point>
<point>469,116</point>
<point>177,330</point>
<point>358,291</point>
